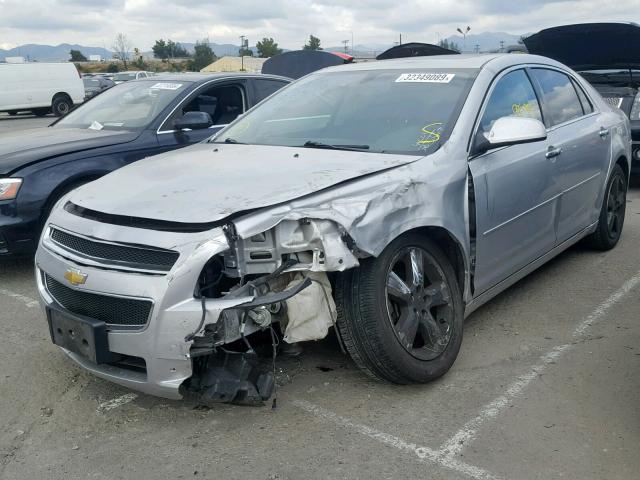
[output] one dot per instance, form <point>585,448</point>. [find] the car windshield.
<point>123,77</point>
<point>128,106</point>
<point>385,111</point>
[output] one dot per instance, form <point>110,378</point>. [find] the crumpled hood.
<point>207,182</point>
<point>589,45</point>
<point>23,147</point>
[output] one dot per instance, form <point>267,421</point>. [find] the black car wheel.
<point>400,315</point>
<point>614,206</point>
<point>61,105</point>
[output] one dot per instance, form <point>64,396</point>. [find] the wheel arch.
<point>624,164</point>
<point>61,94</point>
<point>64,187</point>
<point>450,245</point>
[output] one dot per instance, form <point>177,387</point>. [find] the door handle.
<point>603,132</point>
<point>553,152</point>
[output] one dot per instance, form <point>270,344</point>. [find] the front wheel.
<point>614,206</point>
<point>401,315</point>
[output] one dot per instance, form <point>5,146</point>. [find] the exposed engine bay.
<point>284,270</point>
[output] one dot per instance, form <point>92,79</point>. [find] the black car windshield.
<point>128,106</point>
<point>612,77</point>
<point>388,111</point>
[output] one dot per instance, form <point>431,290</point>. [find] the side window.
<point>560,102</point>
<point>513,96</point>
<point>223,103</point>
<point>586,104</point>
<point>264,88</point>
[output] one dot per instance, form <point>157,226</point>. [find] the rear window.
<point>561,102</point>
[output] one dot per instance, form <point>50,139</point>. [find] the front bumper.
<point>18,235</point>
<point>175,312</point>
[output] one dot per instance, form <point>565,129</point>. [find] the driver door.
<point>223,101</point>
<point>515,191</point>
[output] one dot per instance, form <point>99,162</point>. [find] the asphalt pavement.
<point>546,387</point>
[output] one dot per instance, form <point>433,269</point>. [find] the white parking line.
<point>29,302</point>
<point>446,455</point>
<point>116,402</point>
<point>439,457</point>
<point>468,432</point>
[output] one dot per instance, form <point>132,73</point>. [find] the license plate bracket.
<point>84,336</point>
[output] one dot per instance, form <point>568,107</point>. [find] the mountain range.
<point>487,41</point>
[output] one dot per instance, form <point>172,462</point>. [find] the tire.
<point>40,112</point>
<point>611,219</point>
<point>61,105</point>
<point>370,317</point>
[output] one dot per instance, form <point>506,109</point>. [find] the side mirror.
<point>193,121</point>
<point>510,131</point>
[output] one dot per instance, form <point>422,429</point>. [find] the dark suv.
<point>607,55</point>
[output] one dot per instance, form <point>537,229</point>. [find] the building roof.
<point>235,64</point>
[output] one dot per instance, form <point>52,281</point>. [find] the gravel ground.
<point>546,386</point>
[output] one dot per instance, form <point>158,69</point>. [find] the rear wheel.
<point>401,315</point>
<point>612,214</point>
<point>61,105</point>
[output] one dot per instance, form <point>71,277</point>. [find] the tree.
<point>312,44</point>
<point>77,56</point>
<point>113,68</point>
<point>203,55</point>
<point>449,45</point>
<point>268,48</point>
<point>122,48</point>
<point>169,49</point>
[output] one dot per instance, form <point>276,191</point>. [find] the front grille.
<point>613,101</point>
<point>111,310</point>
<point>109,253</point>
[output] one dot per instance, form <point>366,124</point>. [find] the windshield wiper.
<point>231,140</point>
<point>328,146</point>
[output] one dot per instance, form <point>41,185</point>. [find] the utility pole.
<point>501,46</point>
<point>476,49</point>
<point>400,40</point>
<point>242,37</point>
<point>346,45</point>
<point>464,37</point>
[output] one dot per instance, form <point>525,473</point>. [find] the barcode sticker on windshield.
<point>167,86</point>
<point>426,77</point>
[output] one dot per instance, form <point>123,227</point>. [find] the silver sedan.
<point>388,200</point>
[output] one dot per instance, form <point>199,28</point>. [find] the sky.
<point>96,22</point>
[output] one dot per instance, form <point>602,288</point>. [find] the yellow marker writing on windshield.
<point>430,134</point>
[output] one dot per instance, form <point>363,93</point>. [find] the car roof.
<point>496,61</point>
<point>201,77</point>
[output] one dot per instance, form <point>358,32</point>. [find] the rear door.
<point>265,87</point>
<point>222,100</point>
<point>579,146</point>
<point>515,193</point>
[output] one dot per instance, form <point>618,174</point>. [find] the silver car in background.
<point>388,199</point>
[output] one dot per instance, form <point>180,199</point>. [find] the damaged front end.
<point>284,272</point>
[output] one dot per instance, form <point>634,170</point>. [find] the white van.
<point>40,88</point>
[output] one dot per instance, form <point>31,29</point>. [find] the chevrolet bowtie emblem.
<point>75,277</point>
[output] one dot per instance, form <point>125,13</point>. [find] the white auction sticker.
<point>426,77</point>
<point>167,86</point>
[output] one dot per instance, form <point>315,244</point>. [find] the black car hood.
<point>590,45</point>
<point>23,147</point>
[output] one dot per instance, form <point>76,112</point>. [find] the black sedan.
<point>95,85</point>
<point>126,123</point>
